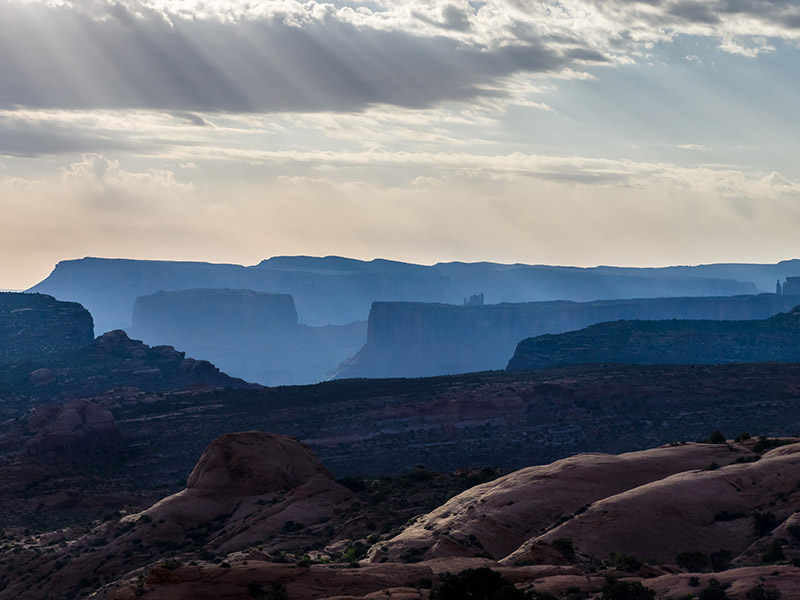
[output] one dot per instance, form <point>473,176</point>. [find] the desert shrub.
<point>565,546</point>
<point>412,555</point>
<point>714,591</point>
<point>726,516</point>
<point>614,589</point>
<point>794,531</point>
<point>759,593</point>
<point>773,552</point>
<point>691,560</point>
<point>290,527</point>
<point>713,466</point>
<point>574,593</point>
<point>277,591</point>
<point>476,584</point>
<point>716,438</point>
<point>626,562</point>
<point>354,551</point>
<point>764,522</point>
<point>765,443</point>
<point>720,560</point>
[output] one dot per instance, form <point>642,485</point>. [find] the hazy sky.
<point>575,132</point>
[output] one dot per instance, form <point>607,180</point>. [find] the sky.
<point>579,132</point>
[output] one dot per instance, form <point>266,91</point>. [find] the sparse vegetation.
<point>565,547</point>
<point>614,589</point>
<point>476,584</point>
<point>692,560</point>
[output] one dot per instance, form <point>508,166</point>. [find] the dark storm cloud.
<point>58,58</point>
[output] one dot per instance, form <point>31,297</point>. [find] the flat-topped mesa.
<point>34,325</point>
<point>249,334</point>
<point>199,314</point>
<point>775,339</point>
<point>408,339</point>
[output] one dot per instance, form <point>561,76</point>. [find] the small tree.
<point>717,438</point>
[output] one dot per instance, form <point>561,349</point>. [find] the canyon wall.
<point>416,339</point>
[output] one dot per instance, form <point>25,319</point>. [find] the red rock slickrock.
<point>497,517</point>
<point>254,463</point>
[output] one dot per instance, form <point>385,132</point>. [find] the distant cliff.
<point>33,325</point>
<point>248,334</point>
<point>196,314</point>
<point>776,339</point>
<point>335,290</point>
<point>416,339</point>
<point>325,291</point>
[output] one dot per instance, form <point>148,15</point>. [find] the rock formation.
<point>335,291</point>
<point>248,334</point>
<point>417,340</point>
<point>706,510</point>
<point>667,342</point>
<point>75,427</point>
<point>34,325</point>
<point>497,517</point>
<point>656,519</point>
<point>112,360</point>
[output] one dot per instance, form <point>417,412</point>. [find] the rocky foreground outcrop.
<point>245,488</point>
<point>666,519</point>
<point>256,482</point>
<point>711,499</point>
<point>496,518</point>
<point>775,339</point>
<point>35,325</point>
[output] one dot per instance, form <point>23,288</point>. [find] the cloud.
<point>277,56</point>
<point>506,208</point>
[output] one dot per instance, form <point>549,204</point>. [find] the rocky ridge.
<point>33,325</point>
<point>666,342</point>
<point>113,360</point>
<point>407,339</point>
